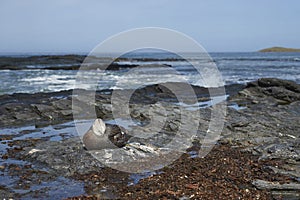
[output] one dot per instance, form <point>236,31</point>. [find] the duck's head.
<point>99,127</point>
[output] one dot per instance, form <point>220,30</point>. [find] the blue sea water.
<point>234,68</point>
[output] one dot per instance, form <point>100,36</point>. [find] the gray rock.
<point>64,158</point>
<point>261,184</point>
<point>274,82</point>
<point>269,126</point>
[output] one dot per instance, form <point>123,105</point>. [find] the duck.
<point>105,136</point>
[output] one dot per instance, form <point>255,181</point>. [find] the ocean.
<point>234,68</point>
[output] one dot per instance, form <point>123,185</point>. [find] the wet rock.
<point>62,104</point>
<point>103,111</point>
<point>173,126</point>
<point>55,107</point>
<point>115,66</point>
<point>268,127</point>
<point>286,91</point>
<point>41,108</point>
<point>261,184</point>
<point>274,82</point>
<point>43,62</point>
<point>64,157</point>
<point>66,112</point>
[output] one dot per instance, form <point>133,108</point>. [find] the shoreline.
<point>56,107</point>
<point>56,73</point>
<point>263,131</point>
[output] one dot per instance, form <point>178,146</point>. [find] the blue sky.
<point>79,25</point>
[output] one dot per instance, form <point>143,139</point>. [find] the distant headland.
<point>279,49</point>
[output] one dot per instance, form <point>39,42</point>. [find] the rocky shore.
<point>70,62</point>
<point>256,157</point>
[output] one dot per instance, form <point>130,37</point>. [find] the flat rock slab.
<point>261,184</point>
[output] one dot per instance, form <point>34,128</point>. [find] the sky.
<point>67,26</point>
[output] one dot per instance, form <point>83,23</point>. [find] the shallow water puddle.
<point>56,189</point>
<point>55,132</point>
<point>193,154</point>
<point>203,104</point>
<point>235,106</point>
<point>13,172</point>
<point>39,183</point>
